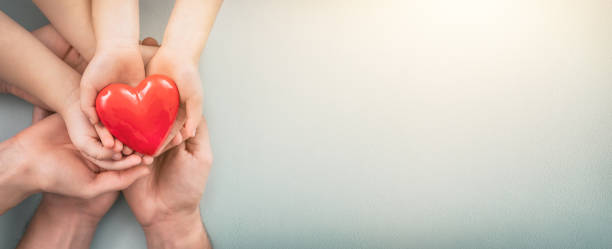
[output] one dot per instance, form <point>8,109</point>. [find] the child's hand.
<point>90,140</point>
<point>120,64</point>
<point>185,74</point>
<point>80,129</point>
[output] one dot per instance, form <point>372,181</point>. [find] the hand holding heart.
<point>141,118</point>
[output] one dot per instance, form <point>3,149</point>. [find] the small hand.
<point>121,64</point>
<point>80,131</point>
<point>185,74</point>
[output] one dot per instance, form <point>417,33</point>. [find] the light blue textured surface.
<point>393,124</point>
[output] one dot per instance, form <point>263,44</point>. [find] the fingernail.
<point>193,134</point>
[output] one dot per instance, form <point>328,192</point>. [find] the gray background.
<point>393,124</point>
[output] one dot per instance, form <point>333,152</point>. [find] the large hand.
<point>187,77</point>
<point>166,202</point>
<point>55,165</point>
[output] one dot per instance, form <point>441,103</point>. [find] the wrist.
<point>68,213</point>
<point>53,227</point>
<point>113,44</point>
<point>181,53</point>
<point>177,231</point>
<point>16,172</point>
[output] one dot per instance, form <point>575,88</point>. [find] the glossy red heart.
<point>140,117</point>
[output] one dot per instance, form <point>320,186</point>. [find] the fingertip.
<point>142,171</point>
<point>118,146</point>
<point>149,41</point>
<point>134,159</point>
<point>148,160</point>
<point>117,156</point>
<point>127,150</point>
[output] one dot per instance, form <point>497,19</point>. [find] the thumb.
<point>108,181</point>
<point>199,144</point>
<point>194,114</point>
<point>88,101</point>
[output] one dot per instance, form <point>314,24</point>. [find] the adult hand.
<point>166,202</point>
<point>42,158</point>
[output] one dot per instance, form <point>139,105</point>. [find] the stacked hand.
<point>70,156</point>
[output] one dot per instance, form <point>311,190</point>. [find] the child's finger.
<point>88,101</point>
<point>107,139</point>
<point>118,145</point>
<point>146,159</point>
<point>125,163</point>
<point>149,41</point>
<point>194,114</point>
<point>92,148</point>
<point>116,180</point>
<point>127,150</point>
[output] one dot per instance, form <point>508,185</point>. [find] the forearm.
<point>186,231</point>
<point>115,23</point>
<point>58,228</point>
<point>16,180</point>
<point>189,26</point>
<point>72,19</point>
<point>26,63</point>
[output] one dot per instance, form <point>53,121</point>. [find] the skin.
<point>170,196</point>
<point>56,85</point>
<point>117,56</point>
<point>74,220</point>
<point>115,59</point>
<point>184,39</point>
<point>58,167</point>
<point>73,20</point>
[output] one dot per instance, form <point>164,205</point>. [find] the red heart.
<point>139,117</point>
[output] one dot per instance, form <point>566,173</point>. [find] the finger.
<point>148,160</point>
<point>194,114</point>
<point>176,140</point>
<point>124,163</point>
<point>116,180</point>
<point>149,41</point>
<point>49,37</point>
<point>147,53</point>
<point>127,150</point>
<point>93,148</point>
<point>88,100</point>
<point>118,145</point>
<point>105,136</point>
<point>201,142</point>
<point>75,60</point>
